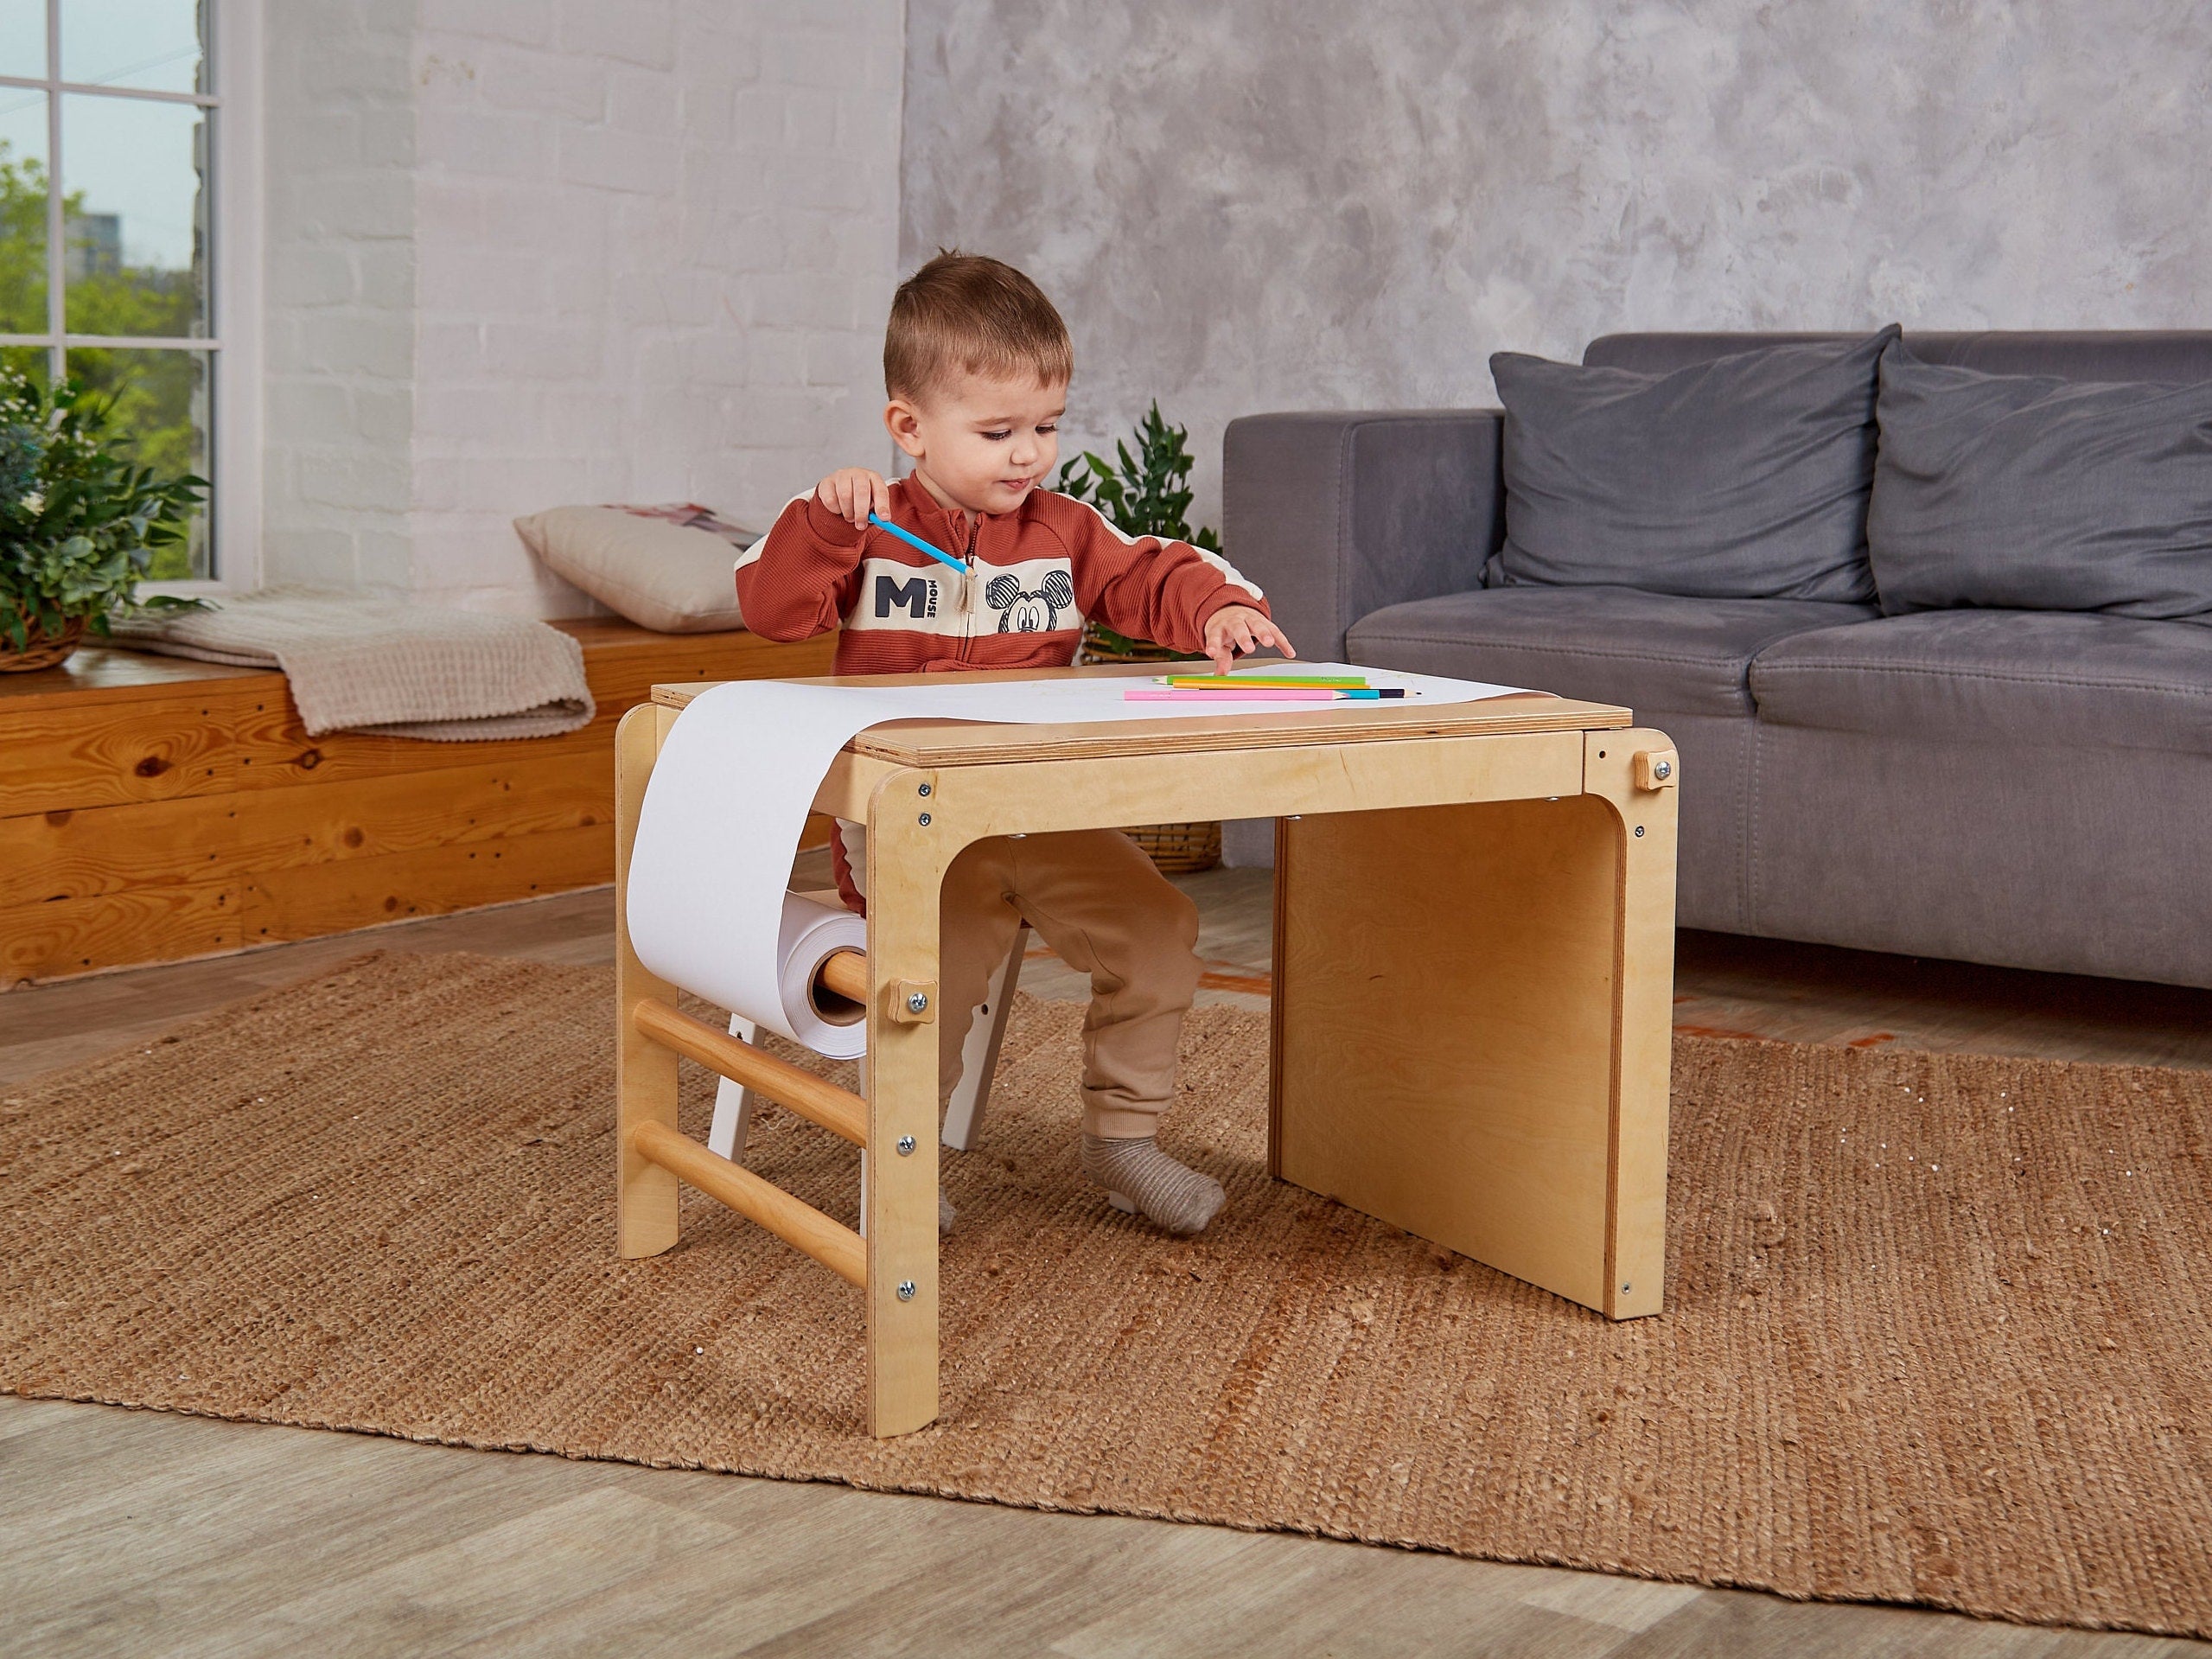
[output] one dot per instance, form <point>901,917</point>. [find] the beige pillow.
<point>668,568</point>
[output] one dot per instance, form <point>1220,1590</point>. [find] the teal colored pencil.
<point>914,541</point>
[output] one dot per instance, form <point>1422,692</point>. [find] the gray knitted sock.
<point>1138,1177</point>
<point>946,1214</point>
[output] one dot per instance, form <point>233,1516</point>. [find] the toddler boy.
<point>976,364</point>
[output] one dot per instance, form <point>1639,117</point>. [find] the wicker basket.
<point>42,650</point>
<point>1180,849</point>
<point>1174,849</point>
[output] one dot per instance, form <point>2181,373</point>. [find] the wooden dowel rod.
<point>797,1223</point>
<point>845,971</point>
<point>839,1111</point>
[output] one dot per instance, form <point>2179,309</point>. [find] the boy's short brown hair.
<point>963,311</point>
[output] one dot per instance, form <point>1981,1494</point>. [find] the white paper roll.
<point>811,933</point>
<point>707,907</point>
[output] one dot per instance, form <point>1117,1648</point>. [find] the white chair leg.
<point>979,1054</point>
<point>733,1105</point>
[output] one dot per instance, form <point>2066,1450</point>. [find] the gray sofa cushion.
<point>1745,477</point>
<point>2171,355</point>
<point>2042,678</point>
<point>2034,493</point>
<point>1607,645</point>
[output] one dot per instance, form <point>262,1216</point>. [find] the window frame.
<point>232,52</point>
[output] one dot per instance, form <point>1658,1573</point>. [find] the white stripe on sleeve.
<point>752,553</point>
<point>1227,572</point>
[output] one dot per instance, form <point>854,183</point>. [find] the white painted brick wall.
<point>339,340</point>
<point>606,249</point>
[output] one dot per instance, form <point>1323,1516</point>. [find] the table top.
<point>962,742</point>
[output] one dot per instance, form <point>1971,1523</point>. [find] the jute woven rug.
<point>1937,1326</point>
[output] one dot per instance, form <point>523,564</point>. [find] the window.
<point>109,122</point>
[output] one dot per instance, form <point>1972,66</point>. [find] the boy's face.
<point>981,443</point>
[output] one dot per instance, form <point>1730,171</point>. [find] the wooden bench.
<point>154,808</point>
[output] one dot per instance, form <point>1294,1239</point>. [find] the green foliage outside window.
<point>146,395</point>
<point>1145,495</point>
<point>79,526</point>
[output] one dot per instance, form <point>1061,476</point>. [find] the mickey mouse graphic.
<point>1023,611</point>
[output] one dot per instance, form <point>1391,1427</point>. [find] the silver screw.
<point>1664,770</point>
<point>924,820</point>
<point>923,790</point>
<point>905,1146</point>
<point>917,1002</point>
<point>1640,832</point>
<point>906,1290</point>
<point>1625,1289</point>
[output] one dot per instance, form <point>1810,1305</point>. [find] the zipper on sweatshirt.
<point>967,592</point>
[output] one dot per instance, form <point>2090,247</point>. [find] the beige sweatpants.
<point>1108,913</point>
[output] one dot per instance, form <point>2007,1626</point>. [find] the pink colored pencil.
<point>1257,694</point>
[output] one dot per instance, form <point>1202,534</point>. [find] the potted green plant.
<point>1147,494</point>
<point>79,524</point>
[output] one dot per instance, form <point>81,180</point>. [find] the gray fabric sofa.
<point>2026,789</point>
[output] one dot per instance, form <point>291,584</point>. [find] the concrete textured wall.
<point>1259,205</point>
<point>524,253</point>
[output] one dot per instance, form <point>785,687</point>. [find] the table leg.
<point>906,872</point>
<point>1644,1023</point>
<point>645,1071</point>
<point>1472,1008</point>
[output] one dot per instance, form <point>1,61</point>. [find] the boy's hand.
<point>852,493</point>
<point>1235,629</point>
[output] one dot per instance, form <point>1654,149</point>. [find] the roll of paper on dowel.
<point>811,933</point>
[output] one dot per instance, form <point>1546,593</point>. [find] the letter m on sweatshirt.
<point>916,596</point>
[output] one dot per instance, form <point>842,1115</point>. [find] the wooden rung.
<point>797,1223</point>
<point>845,972</point>
<point>837,1110</point>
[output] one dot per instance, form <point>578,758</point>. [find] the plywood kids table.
<point>1474,960</point>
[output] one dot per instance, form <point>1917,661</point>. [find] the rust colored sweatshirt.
<point>1034,575</point>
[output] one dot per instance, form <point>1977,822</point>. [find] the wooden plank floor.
<point>132,1531</point>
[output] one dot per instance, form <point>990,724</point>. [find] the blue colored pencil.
<point>914,541</point>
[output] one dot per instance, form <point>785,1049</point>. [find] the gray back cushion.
<point>2171,355</point>
<point>1743,478</point>
<point>2035,493</point>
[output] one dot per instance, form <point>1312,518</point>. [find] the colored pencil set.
<point>1260,688</point>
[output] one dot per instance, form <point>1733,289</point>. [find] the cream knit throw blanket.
<point>368,665</point>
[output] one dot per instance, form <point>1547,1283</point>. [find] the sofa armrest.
<point>1339,514</point>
